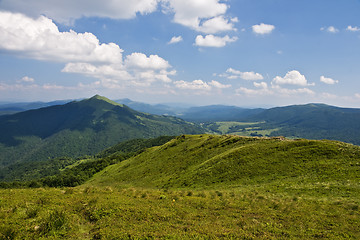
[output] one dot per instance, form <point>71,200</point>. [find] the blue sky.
<point>202,52</point>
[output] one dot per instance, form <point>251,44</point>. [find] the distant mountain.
<point>211,113</point>
<point>11,108</point>
<point>79,128</point>
<point>313,121</point>
<point>158,109</point>
<point>215,113</point>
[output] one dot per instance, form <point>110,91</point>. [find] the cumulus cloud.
<point>194,85</point>
<point>200,85</point>
<point>217,84</point>
<point>330,29</point>
<point>353,29</point>
<point>254,92</point>
<point>291,78</point>
<point>263,90</point>
<point>261,85</point>
<point>251,76</point>
<point>66,11</point>
<point>203,16</point>
<point>216,25</point>
<point>328,80</point>
<point>81,52</point>
<point>140,60</point>
<point>213,41</point>
<point>263,28</point>
<point>175,40</point>
<point>41,39</point>
<point>290,92</point>
<point>26,79</point>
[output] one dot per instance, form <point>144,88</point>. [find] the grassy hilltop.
<point>201,187</point>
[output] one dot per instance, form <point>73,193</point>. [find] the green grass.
<point>209,161</point>
<point>138,213</point>
<point>202,187</point>
<point>240,128</point>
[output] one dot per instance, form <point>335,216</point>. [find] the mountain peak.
<point>105,99</point>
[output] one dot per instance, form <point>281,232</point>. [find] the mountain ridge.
<point>78,128</point>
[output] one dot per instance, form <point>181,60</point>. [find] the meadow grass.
<point>141,213</point>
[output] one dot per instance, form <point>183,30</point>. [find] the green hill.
<point>313,121</point>
<point>207,161</point>
<point>79,128</point>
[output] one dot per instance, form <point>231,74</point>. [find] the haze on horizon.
<point>243,52</point>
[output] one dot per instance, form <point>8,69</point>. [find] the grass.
<point>202,187</point>
<point>240,128</point>
<point>138,213</point>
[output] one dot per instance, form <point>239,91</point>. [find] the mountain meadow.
<point>98,169</point>
<point>195,187</point>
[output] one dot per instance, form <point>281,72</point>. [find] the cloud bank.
<point>81,52</point>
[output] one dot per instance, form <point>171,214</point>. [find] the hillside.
<point>208,161</point>
<point>313,121</point>
<point>79,128</point>
<point>214,113</point>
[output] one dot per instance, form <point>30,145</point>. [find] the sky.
<point>246,53</point>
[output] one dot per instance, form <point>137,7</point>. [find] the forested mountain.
<point>11,108</point>
<point>313,121</point>
<point>215,113</point>
<point>79,128</point>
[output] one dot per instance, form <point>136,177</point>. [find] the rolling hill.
<point>79,128</point>
<point>223,162</point>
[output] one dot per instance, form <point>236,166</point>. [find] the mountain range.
<point>85,127</point>
<point>79,128</point>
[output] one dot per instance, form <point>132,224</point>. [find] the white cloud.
<point>41,39</point>
<point>251,76</point>
<point>207,16</point>
<point>66,11</point>
<point>254,92</point>
<point>200,85</point>
<point>291,78</point>
<point>216,84</point>
<point>81,52</point>
<point>175,40</point>
<point>290,92</point>
<point>194,85</point>
<point>357,95</point>
<point>330,29</point>
<point>328,80</point>
<point>263,28</point>
<point>213,41</point>
<point>216,25</point>
<point>353,29</point>
<point>26,79</point>
<point>190,12</point>
<point>204,16</point>
<point>261,85</point>
<point>141,61</point>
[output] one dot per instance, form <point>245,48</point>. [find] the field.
<point>136,213</point>
<point>240,128</point>
<point>201,187</point>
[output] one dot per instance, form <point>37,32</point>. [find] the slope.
<point>79,128</point>
<point>313,121</point>
<point>207,161</point>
